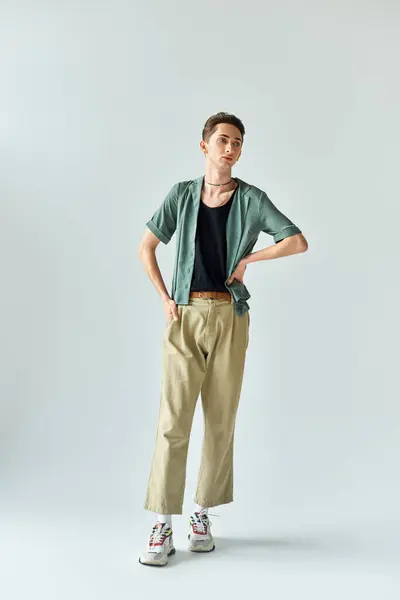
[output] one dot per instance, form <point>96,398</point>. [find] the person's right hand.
<point>171,310</point>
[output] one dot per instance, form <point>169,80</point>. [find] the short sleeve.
<point>274,222</point>
<point>163,222</point>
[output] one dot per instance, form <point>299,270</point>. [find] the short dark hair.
<point>221,117</point>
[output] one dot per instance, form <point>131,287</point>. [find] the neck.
<point>217,177</point>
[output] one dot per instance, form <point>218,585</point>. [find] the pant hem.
<point>163,510</point>
<point>210,504</point>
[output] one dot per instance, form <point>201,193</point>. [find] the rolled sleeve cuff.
<point>286,232</point>
<point>157,232</point>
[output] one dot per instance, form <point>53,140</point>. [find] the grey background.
<point>101,110</point>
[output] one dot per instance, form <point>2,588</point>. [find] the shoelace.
<point>200,522</point>
<point>157,535</point>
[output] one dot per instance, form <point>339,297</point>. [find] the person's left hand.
<point>238,273</point>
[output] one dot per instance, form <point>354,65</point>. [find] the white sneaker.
<point>159,547</point>
<point>200,538</point>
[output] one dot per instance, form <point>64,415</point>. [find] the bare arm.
<point>147,255</point>
<point>291,245</point>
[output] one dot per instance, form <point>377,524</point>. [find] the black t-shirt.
<point>209,273</point>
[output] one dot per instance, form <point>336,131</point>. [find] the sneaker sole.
<point>200,551</point>
<point>170,553</point>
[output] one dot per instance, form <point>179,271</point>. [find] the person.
<point>217,219</point>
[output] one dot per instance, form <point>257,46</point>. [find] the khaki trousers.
<point>203,352</point>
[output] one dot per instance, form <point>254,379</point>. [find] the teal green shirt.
<point>251,212</point>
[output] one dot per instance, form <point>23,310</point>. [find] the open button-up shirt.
<point>251,212</point>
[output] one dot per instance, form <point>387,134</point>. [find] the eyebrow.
<point>236,138</point>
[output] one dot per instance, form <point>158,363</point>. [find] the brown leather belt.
<point>216,295</point>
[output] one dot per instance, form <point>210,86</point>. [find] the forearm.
<point>149,261</point>
<point>291,245</point>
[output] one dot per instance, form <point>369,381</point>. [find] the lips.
<point>228,157</point>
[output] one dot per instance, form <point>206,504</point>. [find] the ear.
<point>203,147</point>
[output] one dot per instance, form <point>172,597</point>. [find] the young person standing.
<point>217,219</point>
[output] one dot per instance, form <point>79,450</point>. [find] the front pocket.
<point>172,320</point>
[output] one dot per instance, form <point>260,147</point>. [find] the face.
<point>224,146</point>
